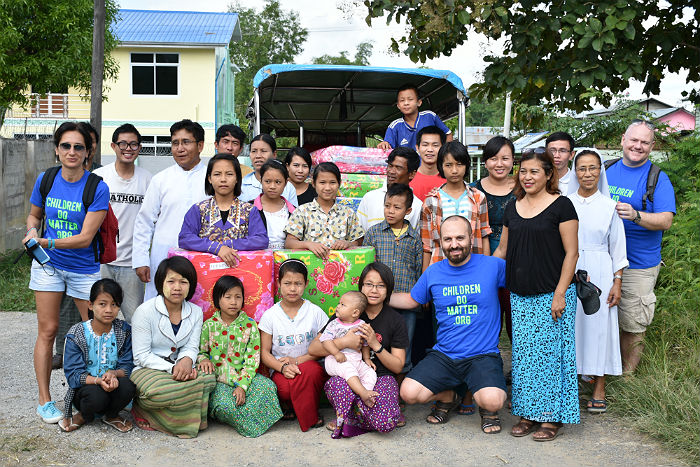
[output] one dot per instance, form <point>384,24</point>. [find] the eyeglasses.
<point>133,145</point>
<point>583,170</point>
<point>647,123</point>
<point>184,142</point>
<point>77,147</point>
<point>561,151</point>
<point>369,285</point>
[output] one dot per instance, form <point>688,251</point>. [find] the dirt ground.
<point>26,440</point>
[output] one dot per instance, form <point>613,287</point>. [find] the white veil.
<point>602,181</point>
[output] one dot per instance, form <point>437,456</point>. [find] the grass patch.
<point>662,398</point>
<point>14,282</point>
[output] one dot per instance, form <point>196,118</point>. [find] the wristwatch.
<point>638,218</point>
<point>381,349</point>
<point>617,276</point>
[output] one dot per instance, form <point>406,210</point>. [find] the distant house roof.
<point>661,108</point>
<point>176,27</point>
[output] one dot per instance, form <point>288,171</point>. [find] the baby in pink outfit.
<point>355,367</point>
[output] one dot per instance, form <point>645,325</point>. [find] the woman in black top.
<point>385,333</point>
<point>540,245</point>
<point>298,162</point>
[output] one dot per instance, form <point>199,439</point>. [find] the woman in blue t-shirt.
<point>67,239</point>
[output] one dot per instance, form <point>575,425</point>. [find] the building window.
<point>154,74</point>
<point>155,146</point>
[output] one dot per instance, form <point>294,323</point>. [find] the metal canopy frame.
<point>292,100</point>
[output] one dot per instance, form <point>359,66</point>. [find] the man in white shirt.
<point>402,165</point>
<point>561,147</point>
<point>127,188</point>
<point>171,193</point>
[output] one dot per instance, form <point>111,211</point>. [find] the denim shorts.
<point>74,284</point>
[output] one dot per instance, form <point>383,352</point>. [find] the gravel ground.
<point>26,440</point>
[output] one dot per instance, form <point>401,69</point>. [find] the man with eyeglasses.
<point>560,145</point>
<point>464,288</point>
<point>402,165</point>
<point>230,139</point>
<point>645,219</point>
<point>127,188</point>
<point>171,193</point>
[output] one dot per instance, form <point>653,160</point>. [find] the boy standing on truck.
<point>402,131</point>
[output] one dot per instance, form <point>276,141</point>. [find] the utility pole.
<point>98,63</point>
<point>506,119</point>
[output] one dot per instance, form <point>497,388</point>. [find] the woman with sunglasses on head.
<point>70,228</point>
<point>540,245</point>
<point>603,255</point>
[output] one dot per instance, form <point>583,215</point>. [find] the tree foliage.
<point>362,55</point>
<point>46,45</point>
<point>271,35</point>
<point>562,54</point>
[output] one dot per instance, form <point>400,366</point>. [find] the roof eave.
<point>172,44</point>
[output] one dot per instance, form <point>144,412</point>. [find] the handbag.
<point>587,292</point>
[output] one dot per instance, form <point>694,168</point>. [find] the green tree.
<point>362,55</point>
<point>271,35</point>
<point>483,113</point>
<point>562,54</point>
<point>46,46</point>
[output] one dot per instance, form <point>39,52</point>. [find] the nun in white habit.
<point>603,254</point>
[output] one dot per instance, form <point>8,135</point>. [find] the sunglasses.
<point>647,123</point>
<point>539,150</point>
<point>77,147</point>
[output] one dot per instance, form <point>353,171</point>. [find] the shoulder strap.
<point>47,181</point>
<point>652,179</point>
<point>610,162</point>
<point>90,189</point>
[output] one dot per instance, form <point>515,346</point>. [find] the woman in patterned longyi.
<point>540,245</point>
<point>230,348</point>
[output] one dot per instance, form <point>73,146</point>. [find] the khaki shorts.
<point>637,304</point>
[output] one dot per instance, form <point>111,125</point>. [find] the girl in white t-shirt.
<point>274,208</point>
<point>286,330</point>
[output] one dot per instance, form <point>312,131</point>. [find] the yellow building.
<point>172,65</point>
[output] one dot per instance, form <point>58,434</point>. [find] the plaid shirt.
<point>404,255</point>
<point>309,223</point>
<point>476,211</point>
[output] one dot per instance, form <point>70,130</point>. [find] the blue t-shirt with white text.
<point>466,304</point>
<point>628,185</point>
<point>64,218</point>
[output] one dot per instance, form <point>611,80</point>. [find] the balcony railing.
<point>54,106</point>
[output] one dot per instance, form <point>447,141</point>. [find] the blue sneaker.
<point>49,413</point>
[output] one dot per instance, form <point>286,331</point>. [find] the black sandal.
<point>489,420</point>
<point>319,423</point>
<point>440,412</point>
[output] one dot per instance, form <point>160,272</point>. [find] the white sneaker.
<point>49,413</point>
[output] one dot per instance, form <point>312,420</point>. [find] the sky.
<point>332,31</point>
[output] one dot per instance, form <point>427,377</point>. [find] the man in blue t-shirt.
<point>403,131</point>
<point>643,228</point>
<point>464,289</point>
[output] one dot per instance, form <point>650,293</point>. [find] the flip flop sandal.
<point>319,423</point>
<point>523,428</point>
<point>67,429</point>
<point>549,432</point>
<point>288,415</point>
<point>489,420</point>
<point>466,409</point>
<point>142,423</point>
<point>119,424</point>
<point>440,412</point>
<point>331,426</point>
<point>597,406</point>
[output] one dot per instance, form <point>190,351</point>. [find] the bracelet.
<point>381,349</point>
<point>51,243</point>
<point>30,229</point>
<point>283,365</point>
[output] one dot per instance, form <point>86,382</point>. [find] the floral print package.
<point>329,279</point>
<point>255,270</point>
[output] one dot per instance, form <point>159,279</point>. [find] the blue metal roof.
<point>268,70</point>
<point>176,27</point>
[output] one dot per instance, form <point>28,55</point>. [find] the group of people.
<point>501,250</point>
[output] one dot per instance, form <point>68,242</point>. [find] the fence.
<point>20,163</point>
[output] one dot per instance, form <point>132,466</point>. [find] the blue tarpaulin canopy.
<point>340,99</point>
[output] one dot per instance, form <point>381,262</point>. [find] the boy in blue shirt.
<point>403,131</point>
<point>464,289</point>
